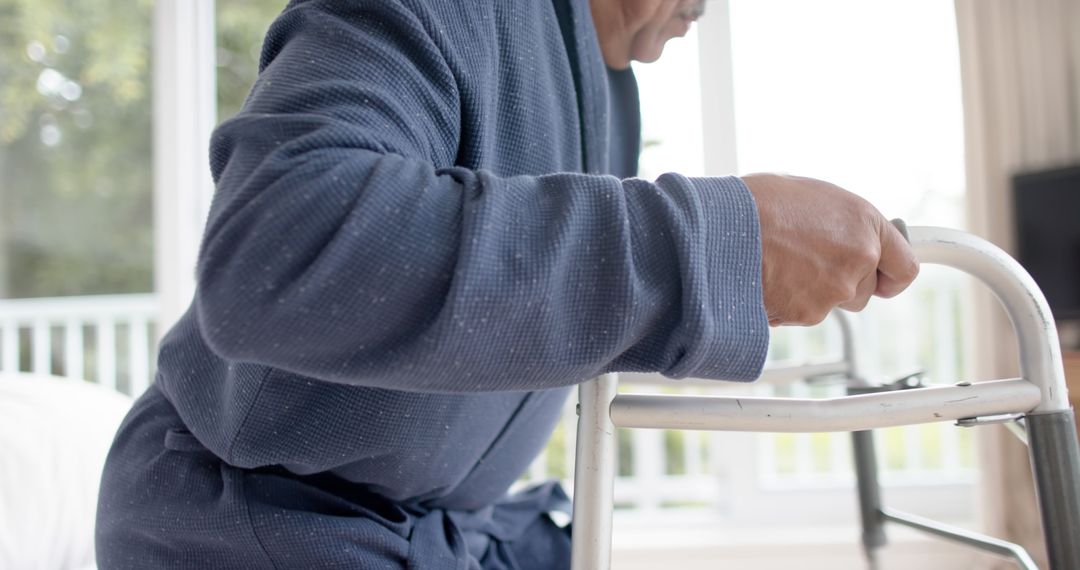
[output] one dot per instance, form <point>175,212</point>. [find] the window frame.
<point>184,108</point>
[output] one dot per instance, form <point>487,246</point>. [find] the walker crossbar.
<point>1039,394</point>
<point>778,375</point>
<point>964,536</point>
<point>847,413</point>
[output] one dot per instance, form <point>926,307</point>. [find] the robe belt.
<point>440,539</point>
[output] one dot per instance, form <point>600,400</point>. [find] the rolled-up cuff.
<point>722,290</point>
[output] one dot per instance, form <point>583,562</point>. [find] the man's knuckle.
<point>869,254</point>
<point>842,291</point>
<point>811,314</point>
<point>857,304</point>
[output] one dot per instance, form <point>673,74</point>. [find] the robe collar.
<point>590,77</point>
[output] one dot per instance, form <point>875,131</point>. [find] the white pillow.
<point>54,436</point>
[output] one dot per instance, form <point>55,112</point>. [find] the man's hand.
<point>824,247</point>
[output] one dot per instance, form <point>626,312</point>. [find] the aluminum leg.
<point>594,475</point>
<point>869,491</point>
<point>866,472</point>
<point>1055,461</point>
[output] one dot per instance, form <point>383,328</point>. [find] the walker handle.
<point>1036,333</point>
<point>902,226</point>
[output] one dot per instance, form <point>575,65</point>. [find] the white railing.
<point>104,339</point>
<point>107,339</point>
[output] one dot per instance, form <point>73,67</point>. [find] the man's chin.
<point>648,54</point>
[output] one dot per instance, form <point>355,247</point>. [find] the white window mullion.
<point>717,89</point>
<point>185,64</point>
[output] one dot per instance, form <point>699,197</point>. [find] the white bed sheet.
<point>54,436</point>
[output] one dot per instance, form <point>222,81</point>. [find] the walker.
<point>1035,406</point>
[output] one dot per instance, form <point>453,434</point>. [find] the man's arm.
<point>344,246</point>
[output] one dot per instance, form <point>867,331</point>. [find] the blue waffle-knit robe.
<point>413,252</point>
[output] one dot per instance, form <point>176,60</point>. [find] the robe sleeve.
<point>343,244</point>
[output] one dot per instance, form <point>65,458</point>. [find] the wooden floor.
<point>788,549</point>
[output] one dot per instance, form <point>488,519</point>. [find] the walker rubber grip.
<point>900,225</point>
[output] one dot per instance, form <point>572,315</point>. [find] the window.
<point>671,111</point>
<point>865,95</point>
<point>75,148</point>
<point>76,189</point>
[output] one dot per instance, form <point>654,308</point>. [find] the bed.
<point>54,436</point>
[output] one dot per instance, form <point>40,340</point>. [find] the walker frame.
<point>1036,405</point>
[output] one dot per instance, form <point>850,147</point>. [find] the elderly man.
<point>425,231</point>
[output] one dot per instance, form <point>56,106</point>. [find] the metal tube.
<point>780,374</point>
<point>594,475</point>
<point>789,374</point>
<point>1019,429</point>
<point>1055,461</point>
<point>1040,351</point>
<point>862,447</point>
<point>964,536</point>
<point>851,353</point>
<point>869,493</point>
<point>849,413</point>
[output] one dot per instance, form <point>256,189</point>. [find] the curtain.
<point>1020,69</point>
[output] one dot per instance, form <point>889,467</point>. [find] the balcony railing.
<point>107,340</point>
<point>104,339</point>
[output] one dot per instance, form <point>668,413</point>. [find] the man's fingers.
<point>822,246</point>
<point>898,266</point>
<point>863,292</point>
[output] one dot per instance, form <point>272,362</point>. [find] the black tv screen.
<point>1047,206</point>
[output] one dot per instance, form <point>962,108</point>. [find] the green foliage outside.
<point>241,26</point>
<point>76,138</point>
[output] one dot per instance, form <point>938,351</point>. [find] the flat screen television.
<point>1047,213</point>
